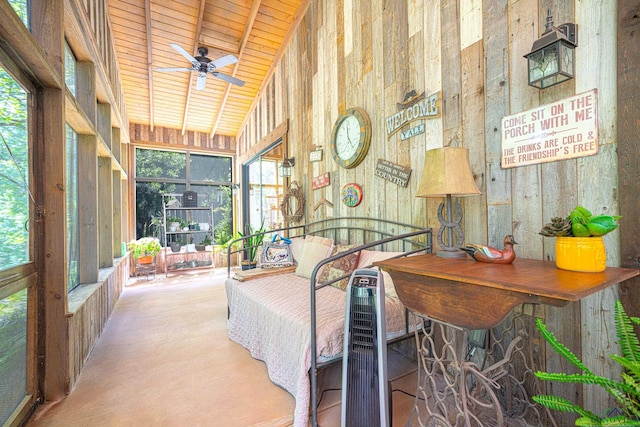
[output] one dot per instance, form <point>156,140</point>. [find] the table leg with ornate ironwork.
<point>476,378</point>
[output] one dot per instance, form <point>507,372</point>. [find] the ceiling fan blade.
<point>202,81</point>
<point>227,78</point>
<point>184,53</point>
<point>222,62</point>
<point>173,69</point>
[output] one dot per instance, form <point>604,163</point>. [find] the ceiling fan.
<point>203,66</point>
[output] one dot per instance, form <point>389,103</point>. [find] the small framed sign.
<point>315,155</point>
<point>320,181</point>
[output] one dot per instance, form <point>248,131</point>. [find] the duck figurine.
<point>483,253</point>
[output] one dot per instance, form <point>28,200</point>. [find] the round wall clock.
<point>351,137</point>
<point>351,195</point>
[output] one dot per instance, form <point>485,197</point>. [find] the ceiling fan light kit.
<point>203,66</point>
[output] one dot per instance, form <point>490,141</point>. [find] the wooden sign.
<point>393,173</point>
<point>320,181</point>
<point>563,130</point>
<point>315,155</point>
<point>414,107</point>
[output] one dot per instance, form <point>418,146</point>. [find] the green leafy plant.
<point>206,240</point>
<point>145,246</point>
<point>626,391</point>
<point>580,223</point>
<point>171,219</point>
<point>252,241</point>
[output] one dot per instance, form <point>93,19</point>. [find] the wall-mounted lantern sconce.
<point>551,60</point>
<point>286,165</point>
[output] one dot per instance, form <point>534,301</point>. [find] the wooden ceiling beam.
<point>251,19</point>
<point>185,116</point>
<point>147,12</point>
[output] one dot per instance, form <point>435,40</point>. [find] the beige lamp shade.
<point>447,171</point>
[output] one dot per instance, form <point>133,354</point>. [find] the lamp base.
<point>451,254</point>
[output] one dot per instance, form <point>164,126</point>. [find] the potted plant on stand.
<point>145,249</point>
<point>251,243</point>
<point>579,244</point>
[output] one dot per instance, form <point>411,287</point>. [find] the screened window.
<point>73,228</point>
<point>70,69</point>
<point>14,216</point>
<point>14,173</point>
<point>264,189</point>
<point>159,172</point>
<point>20,6</point>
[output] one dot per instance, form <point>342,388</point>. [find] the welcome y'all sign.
<point>414,107</point>
<point>562,130</point>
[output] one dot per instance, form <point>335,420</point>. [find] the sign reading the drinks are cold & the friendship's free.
<point>561,130</point>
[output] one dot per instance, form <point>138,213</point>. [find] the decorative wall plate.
<point>351,195</point>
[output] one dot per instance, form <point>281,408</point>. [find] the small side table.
<point>457,300</point>
<point>146,269</point>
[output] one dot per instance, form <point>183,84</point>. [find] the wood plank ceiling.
<point>255,31</point>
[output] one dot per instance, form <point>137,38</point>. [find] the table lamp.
<point>447,173</point>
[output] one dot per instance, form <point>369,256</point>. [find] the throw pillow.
<point>345,265</point>
<point>275,254</point>
<point>315,250</point>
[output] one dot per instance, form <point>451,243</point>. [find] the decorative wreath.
<point>293,192</point>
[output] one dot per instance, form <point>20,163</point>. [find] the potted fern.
<point>625,391</point>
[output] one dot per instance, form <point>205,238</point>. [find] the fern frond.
<point>582,379</point>
<point>635,320</point>
<point>619,422</point>
<point>632,369</point>
<point>587,422</point>
<point>628,339</point>
<point>563,405</point>
<point>560,348</point>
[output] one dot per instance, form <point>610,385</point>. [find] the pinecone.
<point>557,227</point>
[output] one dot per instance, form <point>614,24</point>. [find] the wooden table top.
<point>479,295</point>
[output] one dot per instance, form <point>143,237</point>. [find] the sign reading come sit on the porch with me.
<point>563,130</point>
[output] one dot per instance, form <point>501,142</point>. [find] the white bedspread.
<point>270,317</point>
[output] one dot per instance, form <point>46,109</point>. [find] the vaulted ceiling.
<point>254,31</point>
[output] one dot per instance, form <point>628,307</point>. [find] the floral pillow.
<point>340,267</point>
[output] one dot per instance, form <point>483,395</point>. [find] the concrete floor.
<point>164,359</point>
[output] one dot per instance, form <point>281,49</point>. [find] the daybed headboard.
<point>349,231</point>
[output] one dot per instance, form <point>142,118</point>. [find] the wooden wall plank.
<point>88,207</point>
<point>472,70</point>
<point>628,76</point>
<point>526,181</point>
<point>498,180</point>
<point>451,90</point>
<point>597,186</point>
<point>105,212</point>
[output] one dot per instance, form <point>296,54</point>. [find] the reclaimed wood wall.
<point>369,54</point>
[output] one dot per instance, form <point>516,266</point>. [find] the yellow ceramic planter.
<point>586,254</point>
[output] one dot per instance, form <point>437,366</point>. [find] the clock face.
<point>347,137</point>
<point>351,138</point>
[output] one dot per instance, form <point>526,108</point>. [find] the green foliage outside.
<point>159,172</point>
<point>14,173</point>
<point>626,391</point>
